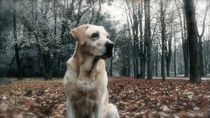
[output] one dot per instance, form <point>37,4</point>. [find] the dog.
<point>85,81</point>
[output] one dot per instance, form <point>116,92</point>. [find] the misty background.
<point>35,41</point>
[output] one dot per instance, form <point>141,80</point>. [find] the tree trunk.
<point>175,48</point>
<point>10,66</point>
<point>163,40</point>
<point>156,61</point>
<point>135,65</point>
<point>48,64</point>
<point>17,54</point>
<point>34,9</point>
<point>129,58</point>
<point>186,58</point>
<point>55,17</point>
<point>184,42</point>
<point>99,10</point>
<point>206,56</point>
<point>142,49</point>
<point>142,60</point>
<point>143,68</point>
<point>185,45</point>
<point>148,39</point>
<point>168,66</point>
<point>201,57</point>
<point>135,32</point>
<point>36,14</point>
<point>175,73</point>
<point>59,64</point>
<point>169,54</point>
<point>18,62</point>
<point>163,65</point>
<point>193,41</point>
<point>202,67</point>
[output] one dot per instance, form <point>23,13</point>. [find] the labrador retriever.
<point>85,81</point>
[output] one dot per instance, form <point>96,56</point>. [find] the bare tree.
<point>132,17</point>
<point>200,36</point>
<point>163,6</point>
<point>175,49</point>
<point>185,45</point>
<point>193,41</point>
<point>148,39</point>
<point>17,49</point>
<point>142,48</point>
<point>169,52</point>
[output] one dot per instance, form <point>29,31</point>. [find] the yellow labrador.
<point>85,81</point>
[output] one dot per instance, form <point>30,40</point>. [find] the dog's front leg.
<point>70,109</point>
<point>99,111</point>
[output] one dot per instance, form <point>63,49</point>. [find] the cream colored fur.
<point>85,81</point>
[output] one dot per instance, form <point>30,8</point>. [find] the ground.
<point>135,98</point>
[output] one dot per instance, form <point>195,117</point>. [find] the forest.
<point>166,42</point>
<point>150,42</point>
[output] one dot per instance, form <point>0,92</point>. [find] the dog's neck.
<point>85,64</point>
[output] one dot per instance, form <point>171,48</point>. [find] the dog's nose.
<point>109,45</point>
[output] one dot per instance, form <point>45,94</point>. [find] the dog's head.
<point>93,40</point>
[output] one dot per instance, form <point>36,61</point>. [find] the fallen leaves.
<point>32,98</point>
<point>157,98</point>
<point>134,98</point>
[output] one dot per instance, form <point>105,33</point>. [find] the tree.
<point>175,53</point>
<point>51,36</point>
<point>169,53</point>
<point>192,32</point>
<point>133,18</point>
<point>16,46</point>
<point>142,48</point>
<point>142,44</point>
<point>123,49</point>
<point>185,46</point>
<point>163,38</point>
<point>206,54</point>
<point>171,26</point>
<point>200,36</point>
<point>148,39</point>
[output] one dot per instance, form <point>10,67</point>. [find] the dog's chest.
<point>86,86</point>
<point>84,93</point>
<point>83,90</point>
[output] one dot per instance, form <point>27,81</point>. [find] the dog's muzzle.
<point>109,47</point>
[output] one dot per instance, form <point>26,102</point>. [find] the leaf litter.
<point>134,98</point>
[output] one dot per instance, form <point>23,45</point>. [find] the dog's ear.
<point>79,33</point>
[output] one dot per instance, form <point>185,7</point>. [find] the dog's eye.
<point>95,35</point>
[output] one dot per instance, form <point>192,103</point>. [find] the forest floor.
<point>135,98</point>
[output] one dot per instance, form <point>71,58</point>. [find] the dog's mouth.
<point>106,55</point>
